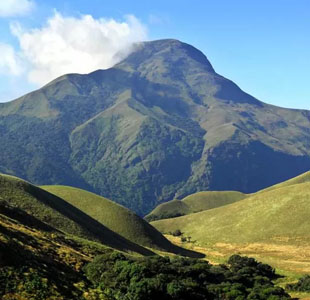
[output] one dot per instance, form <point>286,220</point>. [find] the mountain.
<point>278,216</point>
<point>193,203</point>
<point>117,218</point>
<point>160,125</point>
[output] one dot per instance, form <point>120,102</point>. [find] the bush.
<point>177,232</point>
<point>152,278</point>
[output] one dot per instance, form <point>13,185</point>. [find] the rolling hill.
<point>117,218</point>
<point>160,125</point>
<point>194,203</point>
<point>38,263</point>
<point>272,225</point>
<point>59,215</point>
<point>211,199</point>
<point>280,213</point>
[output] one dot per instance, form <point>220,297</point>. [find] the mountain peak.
<point>168,53</point>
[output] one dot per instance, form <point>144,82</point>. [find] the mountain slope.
<point>116,218</point>
<point>194,203</point>
<point>280,214</point>
<point>58,215</point>
<point>161,124</point>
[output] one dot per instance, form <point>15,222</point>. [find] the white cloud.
<point>9,8</point>
<point>10,63</point>
<point>76,45</point>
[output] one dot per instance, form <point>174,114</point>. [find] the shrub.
<point>177,232</point>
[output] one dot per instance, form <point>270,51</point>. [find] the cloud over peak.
<point>75,45</point>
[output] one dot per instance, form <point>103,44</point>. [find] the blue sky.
<point>263,46</point>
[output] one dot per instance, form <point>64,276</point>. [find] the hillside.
<point>160,125</point>
<point>35,257</point>
<point>281,213</point>
<point>117,218</point>
<point>39,263</point>
<point>194,203</point>
<point>272,225</point>
<point>59,215</point>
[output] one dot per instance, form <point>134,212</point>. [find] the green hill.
<point>60,215</point>
<point>281,213</point>
<point>38,263</point>
<point>194,203</point>
<point>271,225</point>
<point>115,217</point>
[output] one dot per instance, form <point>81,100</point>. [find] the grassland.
<point>194,203</point>
<point>115,217</point>
<point>272,226</point>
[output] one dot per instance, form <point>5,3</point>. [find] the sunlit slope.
<point>115,217</point>
<point>194,203</point>
<point>59,214</point>
<point>280,214</point>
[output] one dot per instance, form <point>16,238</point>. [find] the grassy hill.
<point>273,225</point>
<point>194,203</point>
<point>38,262</point>
<point>115,217</point>
<point>279,213</point>
<point>59,214</point>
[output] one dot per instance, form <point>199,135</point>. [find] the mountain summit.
<point>159,125</point>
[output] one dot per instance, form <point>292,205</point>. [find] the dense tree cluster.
<point>126,278</point>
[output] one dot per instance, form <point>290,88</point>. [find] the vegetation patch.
<point>120,277</point>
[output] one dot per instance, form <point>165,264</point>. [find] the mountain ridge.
<point>159,125</point>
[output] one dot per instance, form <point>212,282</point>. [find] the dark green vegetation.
<point>117,218</point>
<point>193,203</point>
<point>154,278</point>
<point>159,125</point>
